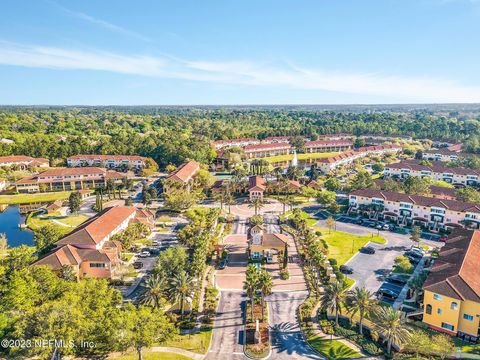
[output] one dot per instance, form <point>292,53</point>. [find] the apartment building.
<point>266,150</point>
<point>452,289</point>
<point>339,136</point>
<point>89,249</point>
<point>282,139</point>
<point>182,177</point>
<point>23,162</point>
<point>319,146</point>
<point>107,161</point>
<point>220,144</point>
<point>437,171</point>
<point>330,163</point>
<point>443,155</point>
<point>63,179</point>
<point>403,209</point>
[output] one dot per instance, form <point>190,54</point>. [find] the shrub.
<point>333,262</point>
<point>284,275</point>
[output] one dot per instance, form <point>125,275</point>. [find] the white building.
<point>441,155</point>
<point>451,175</point>
<point>107,161</point>
<point>220,144</point>
<point>403,209</point>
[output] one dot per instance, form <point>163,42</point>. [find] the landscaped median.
<point>257,348</point>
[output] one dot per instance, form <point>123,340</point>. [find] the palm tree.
<point>153,295</point>
<point>265,284</point>
<point>257,203</point>
<point>334,297</point>
<point>391,325</point>
<point>250,285</point>
<point>361,301</point>
<point>277,171</point>
<point>181,289</point>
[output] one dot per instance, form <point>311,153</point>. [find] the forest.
<point>171,135</point>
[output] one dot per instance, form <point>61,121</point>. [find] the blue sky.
<point>239,52</point>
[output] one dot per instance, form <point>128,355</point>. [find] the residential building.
<point>282,139</point>
<point>62,179</point>
<point>403,209</point>
<point>182,177</point>
<point>319,146</point>
<point>266,150</point>
<point>107,161</point>
<point>452,289</point>
<point>262,246</point>
<point>89,249</point>
<point>437,171</point>
<point>330,163</point>
<point>339,136</point>
<point>455,147</point>
<point>219,144</point>
<point>439,192</point>
<point>256,187</point>
<point>442,155</point>
<point>23,162</point>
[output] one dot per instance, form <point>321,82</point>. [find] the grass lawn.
<point>32,198</point>
<point>342,246</point>
<point>332,350</point>
<point>310,220</point>
<point>154,356</point>
<point>197,343</point>
<point>279,158</point>
<point>69,222</point>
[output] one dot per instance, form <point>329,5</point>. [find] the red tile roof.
<point>185,172</point>
<point>256,183</point>
<point>353,153</point>
<point>107,157</point>
<point>23,159</point>
<point>266,147</point>
<point>327,143</point>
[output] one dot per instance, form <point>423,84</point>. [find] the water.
<point>10,220</point>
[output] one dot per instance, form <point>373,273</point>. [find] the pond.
<point>10,221</point>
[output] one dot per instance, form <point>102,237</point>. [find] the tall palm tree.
<point>257,204</point>
<point>265,284</point>
<point>278,171</point>
<point>360,301</point>
<point>391,325</point>
<point>250,285</point>
<point>334,297</point>
<point>181,289</point>
<point>154,291</point>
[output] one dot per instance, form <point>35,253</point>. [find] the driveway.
<point>227,338</point>
<point>286,338</point>
<point>370,270</point>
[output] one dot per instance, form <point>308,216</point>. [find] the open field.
<point>279,158</point>
<point>197,343</point>
<point>34,198</point>
<point>64,224</point>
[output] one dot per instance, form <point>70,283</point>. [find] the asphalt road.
<point>286,338</point>
<point>227,338</point>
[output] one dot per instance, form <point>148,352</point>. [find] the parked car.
<point>344,269</point>
<point>144,254</point>
<point>368,250</point>
<point>359,221</point>
<point>413,253</point>
<point>418,250</point>
<point>223,264</point>
<point>413,260</point>
<point>443,238</point>
<point>397,279</point>
<point>137,265</point>
<point>155,243</point>
<point>387,293</point>
<point>386,227</point>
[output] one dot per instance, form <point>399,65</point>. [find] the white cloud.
<point>407,89</point>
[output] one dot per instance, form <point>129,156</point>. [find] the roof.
<point>455,272</point>
<point>456,147</point>
<point>326,143</point>
<point>185,172</point>
<point>256,183</point>
<point>233,141</point>
<point>442,151</point>
<point>266,147</point>
<point>355,153</point>
<point>46,176</point>
<point>276,240</point>
<point>436,167</point>
<point>20,158</point>
<point>454,205</point>
<point>94,230</point>
<point>107,157</point>
<point>435,191</point>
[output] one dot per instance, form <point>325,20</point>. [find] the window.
<point>437,297</point>
<point>439,311</point>
<point>468,317</point>
<point>448,326</point>
<point>428,309</point>
<point>454,305</point>
<point>94,265</point>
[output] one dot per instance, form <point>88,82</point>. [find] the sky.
<point>190,52</point>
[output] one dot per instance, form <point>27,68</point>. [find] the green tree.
<point>265,284</point>
<point>419,343</point>
<point>171,262</point>
<point>3,243</point>
<point>331,224</point>
<point>20,257</point>
<point>443,346</point>
<point>251,284</point>
<point>415,185</point>
<point>181,290</point>
<point>153,295</point>
<point>298,143</point>
<point>361,180</point>
<point>180,199</point>
<point>334,297</point>
<point>378,167</point>
<point>468,194</point>
<point>74,201</point>
<point>327,198</point>
<point>390,324</point>
<point>45,238</point>
<point>333,184</point>
<point>257,204</point>
<point>415,235</point>
<point>362,302</point>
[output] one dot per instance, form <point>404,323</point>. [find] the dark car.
<point>413,260</point>
<point>415,254</point>
<point>137,265</point>
<point>223,264</point>
<point>397,279</point>
<point>359,221</point>
<point>387,293</point>
<point>368,250</point>
<point>344,269</point>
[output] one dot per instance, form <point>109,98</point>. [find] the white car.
<point>144,254</point>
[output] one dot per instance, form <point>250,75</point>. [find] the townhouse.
<point>282,139</point>
<point>319,146</point>
<point>452,289</point>
<point>403,209</point>
<point>443,155</point>
<point>439,192</point>
<point>63,179</point>
<point>220,144</point>
<point>107,161</point>
<point>89,250</point>
<point>23,162</point>
<point>330,163</point>
<point>183,176</point>
<point>266,150</point>
<point>339,136</point>
<point>451,175</point>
